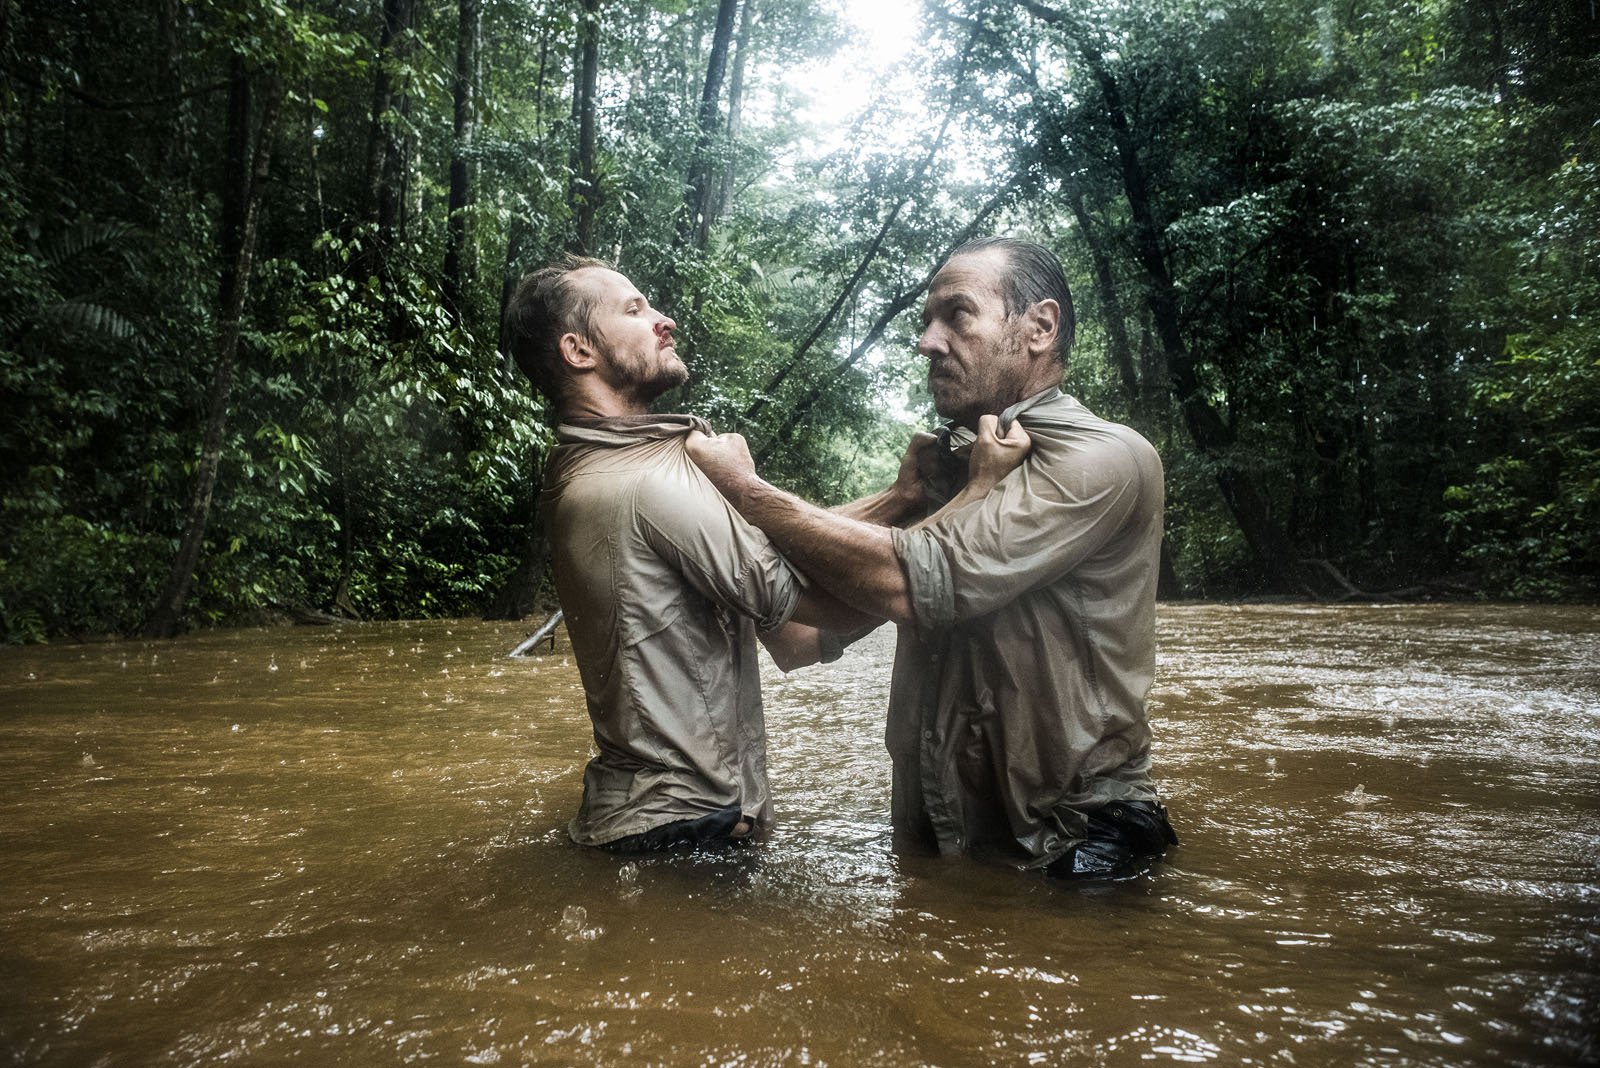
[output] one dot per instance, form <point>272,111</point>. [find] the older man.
<point>1017,718</point>
<point>665,588</point>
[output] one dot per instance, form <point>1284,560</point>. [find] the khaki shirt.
<point>1018,700</point>
<point>663,586</point>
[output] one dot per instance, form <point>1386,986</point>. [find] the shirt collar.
<point>621,430</point>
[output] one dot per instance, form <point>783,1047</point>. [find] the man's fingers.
<point>989,427</point>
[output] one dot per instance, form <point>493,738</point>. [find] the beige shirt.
<point>1018,700</point>
<point>663,586</point>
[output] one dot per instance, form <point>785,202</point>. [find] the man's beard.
<point>644,378</point>
<point>666,375</point>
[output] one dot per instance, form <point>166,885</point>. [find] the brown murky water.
<point>346,846</point>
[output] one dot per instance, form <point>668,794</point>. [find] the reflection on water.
<point>348,844</point>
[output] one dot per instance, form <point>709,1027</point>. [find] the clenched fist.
<point>993,456</point>
<point>725,459</point>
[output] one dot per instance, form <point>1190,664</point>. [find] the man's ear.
<point>1043,323</point>
<point>577,352</point>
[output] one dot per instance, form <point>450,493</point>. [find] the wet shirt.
<point>664,586</point>
<point>1018,700</point>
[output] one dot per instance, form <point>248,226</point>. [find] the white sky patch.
<point>869,69</point>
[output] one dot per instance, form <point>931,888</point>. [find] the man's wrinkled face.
<point>634,341</point>
<point>977,362</point>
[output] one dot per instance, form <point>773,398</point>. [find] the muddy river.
<point>347,846</point>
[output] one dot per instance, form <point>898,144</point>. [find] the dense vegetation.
<point>1339,259</point>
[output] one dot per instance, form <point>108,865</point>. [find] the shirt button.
<point>928,735</point>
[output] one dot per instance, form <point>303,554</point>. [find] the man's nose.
<point>931,343</point>
<point>665,326</point>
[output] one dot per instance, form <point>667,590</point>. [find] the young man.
<point>1017,718</point>
<point>665,588</point>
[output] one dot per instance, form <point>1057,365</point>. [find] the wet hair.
<point>1033,274</point>
<point>545,305</point>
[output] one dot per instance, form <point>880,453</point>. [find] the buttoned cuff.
<point>933,595</point>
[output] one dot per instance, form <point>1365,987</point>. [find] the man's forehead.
<point>604,284</point>
<point>976,274</point>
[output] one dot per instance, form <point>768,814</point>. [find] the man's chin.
<point>669,379</point>
<point>948,405</point>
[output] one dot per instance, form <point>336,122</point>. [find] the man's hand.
<point>725,459</point>
<point>919,469</point>
<point>994,457</point>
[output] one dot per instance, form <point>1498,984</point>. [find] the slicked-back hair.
<point>1033,273</point>
<point>546,304</point>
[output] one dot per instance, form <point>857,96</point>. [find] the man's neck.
<point>601,404</point>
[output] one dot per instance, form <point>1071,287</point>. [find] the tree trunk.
<point>1273,552</point>
<point>463,168</point>
<point>721,198</point>
<point>583,191</point>
<point>169,74</point>
<point>386,159</point>
<point>694,228</point>
<point>1110,306</point>
<point>245,183</point>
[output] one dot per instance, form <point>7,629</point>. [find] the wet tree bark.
<point>694,228</point>
<point>722,197</point>
<point>244,181</point>
<point>387,169</point>
<point>457,259</point>
<point>583,190</point>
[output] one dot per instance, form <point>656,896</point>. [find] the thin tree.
<point>387,168</point>
<point>848,290</point>
<point>583,190</point>
<point>694,226</point>
<point>721,198</point>
<point>463,167</point>
<point>245,179</point>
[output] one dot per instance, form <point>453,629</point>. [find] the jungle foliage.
<point>1338,259</point>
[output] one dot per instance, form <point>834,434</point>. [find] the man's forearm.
<point>853,560</point>
<point>889,507</point>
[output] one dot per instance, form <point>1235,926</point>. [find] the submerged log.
<point>547,629</point>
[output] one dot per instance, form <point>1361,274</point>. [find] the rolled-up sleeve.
<point>725,559</point>
<point>927,577</point>
<point>1041,521</point>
